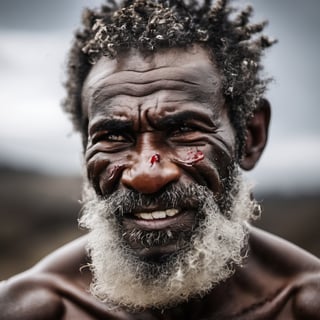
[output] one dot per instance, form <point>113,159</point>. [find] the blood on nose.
<point>150,176</point>
<point>155,158</point>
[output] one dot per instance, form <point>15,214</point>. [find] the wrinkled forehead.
<point>183,69</point>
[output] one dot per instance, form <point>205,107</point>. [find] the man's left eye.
<point>182,130</point>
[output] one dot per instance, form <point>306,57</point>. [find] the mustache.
<point>127,201</point>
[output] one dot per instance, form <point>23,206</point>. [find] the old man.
<point>169,99</point>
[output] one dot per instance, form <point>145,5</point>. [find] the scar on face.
<point>192,158</point>
<point>155,158</point>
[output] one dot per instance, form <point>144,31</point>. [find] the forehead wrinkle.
<point>104,93</point>
<point>196,79</point>
<point>185,75</point>
<point>165,73</point>
<point>169,99</point>
<point>106,107</point>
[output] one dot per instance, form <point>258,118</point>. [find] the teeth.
<point>171,212</point>
<point>157,214</point>
<point>146,216</point>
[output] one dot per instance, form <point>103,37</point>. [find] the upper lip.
<point>148,209</point>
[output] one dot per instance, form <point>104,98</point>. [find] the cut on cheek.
<point>209,167</point>
<point>192,158</point>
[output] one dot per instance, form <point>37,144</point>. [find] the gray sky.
<point>34,133</point>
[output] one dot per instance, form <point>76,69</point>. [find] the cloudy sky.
<point>34,132</point>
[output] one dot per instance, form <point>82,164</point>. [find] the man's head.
<point>230,38</point>
<point>166,204</point>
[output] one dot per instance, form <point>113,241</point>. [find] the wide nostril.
<point>146,178</point>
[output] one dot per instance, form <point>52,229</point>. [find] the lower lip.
<point>183,218</point>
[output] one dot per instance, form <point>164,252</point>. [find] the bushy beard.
<point>207,254</point>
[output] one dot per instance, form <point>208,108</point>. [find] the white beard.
<point>218,245</point>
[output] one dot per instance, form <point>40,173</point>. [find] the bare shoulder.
<point>39,292</point>
<point>276,251</point>
<point>299,270</point>
<point>29,295</point>
<point>67,260</point>
<point>55,288</point>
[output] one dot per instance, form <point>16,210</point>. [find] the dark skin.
<point>155,121</point>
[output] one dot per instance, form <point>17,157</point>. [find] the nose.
<point>147,176</point>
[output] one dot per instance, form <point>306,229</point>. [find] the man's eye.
<point>111,137</point>
<point>182,130</point>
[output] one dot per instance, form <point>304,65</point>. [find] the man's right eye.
<point>111,137</point>
<point>114,137</point>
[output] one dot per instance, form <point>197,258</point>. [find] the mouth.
<point>168,219</point>
<point>155,234</point>
<point>155,215</point>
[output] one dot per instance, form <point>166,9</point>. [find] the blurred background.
<point>40,155</point>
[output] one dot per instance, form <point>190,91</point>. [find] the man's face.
<point>155,122</point>
<point>160,159</point>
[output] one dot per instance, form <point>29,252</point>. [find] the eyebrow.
<point>111,125</point>
<point>182,117</point>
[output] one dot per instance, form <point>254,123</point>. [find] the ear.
<point>257,135</point>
